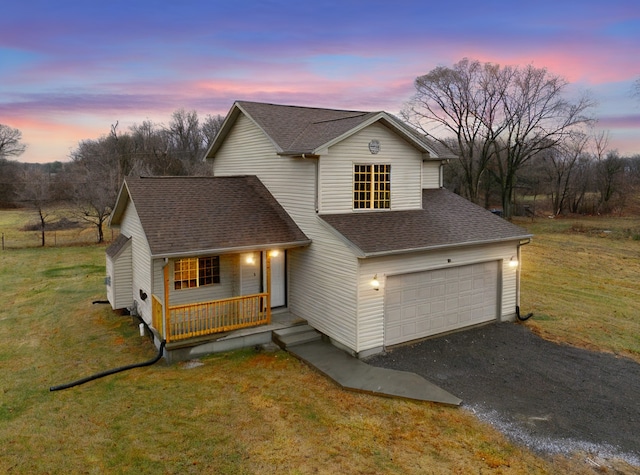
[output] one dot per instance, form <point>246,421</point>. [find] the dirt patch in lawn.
<point>553,398</point>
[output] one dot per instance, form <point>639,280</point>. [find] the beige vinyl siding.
<point>119,270</point>
<point>336,169</point>
<point>111,282</point>
<point>250,273</point>
<point>371,309</point>
<point>140,260</point>
<point>322,285</point>
<point>316,292</point>
<point>431,174</point>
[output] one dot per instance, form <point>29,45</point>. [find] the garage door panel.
<point>408,312</point>
<point>438,290</point>
<point>394,316</point>
<point>426,303</point>
<point>394,297</point>
<point>465,284</point>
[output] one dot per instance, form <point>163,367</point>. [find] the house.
<point>196,256</point>
<point>373,251</point>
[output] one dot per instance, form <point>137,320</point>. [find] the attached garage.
<point>421,304</point>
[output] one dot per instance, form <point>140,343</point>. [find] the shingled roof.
<point>117,245</point>
<point>296,130</point>
<point>446,220</point>
<point>195,215</point>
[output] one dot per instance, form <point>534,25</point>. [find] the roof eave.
<point>227,125</point>
<point>392,122</point>
<point>231,250</point>
<point>119,206</point>
<point>444,246</point>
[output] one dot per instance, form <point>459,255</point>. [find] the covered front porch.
<point>208,295</point>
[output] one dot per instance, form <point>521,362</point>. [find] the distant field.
<point>249,412</point>
<point>13,224</point>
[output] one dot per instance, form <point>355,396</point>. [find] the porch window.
<point>371,186</point>
<point>196,272</point>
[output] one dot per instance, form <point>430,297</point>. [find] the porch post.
<point>165,307</point>
<point>268,286</point>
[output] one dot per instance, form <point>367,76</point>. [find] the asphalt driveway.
<point>552,398</point>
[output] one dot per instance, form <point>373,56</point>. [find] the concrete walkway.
<point>353,374</point>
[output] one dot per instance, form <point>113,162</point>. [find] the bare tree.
<point>36,192</point>
<point>538,118</point>
<point>186,138</point>
<point>561,162</point>
<point>462,102</point>
<point>610,179</point>
<point>98,169</point>
<point>210,128</point>
<point>9,179</point>
<point>10,142</point>
<point>505,115</point>
<point>580,184</point>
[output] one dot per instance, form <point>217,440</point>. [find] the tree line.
<point>90,181</point>
<point>514,130</point>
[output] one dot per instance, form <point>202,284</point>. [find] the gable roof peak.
<point>297,130</point>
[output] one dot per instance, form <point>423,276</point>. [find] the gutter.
<point>232,250</point>
<point>526,237</point>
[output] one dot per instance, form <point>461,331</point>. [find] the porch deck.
<point>183,350</point>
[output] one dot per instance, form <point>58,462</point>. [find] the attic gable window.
<point>371,186</point>
<point>196,272</point>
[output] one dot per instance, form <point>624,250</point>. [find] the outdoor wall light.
<point>250,259</point>
<point>513,262</point>
<point>375,283</point>
<point>274,253</point>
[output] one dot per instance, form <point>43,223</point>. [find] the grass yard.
<point>245,412</point>
<point>581,278</point>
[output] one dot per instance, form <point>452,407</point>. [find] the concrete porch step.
<point>296,335</point>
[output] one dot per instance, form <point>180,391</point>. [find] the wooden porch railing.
<point>207,318</point>
<point>156,314</point>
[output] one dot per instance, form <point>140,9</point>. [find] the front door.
<point>278,279</point>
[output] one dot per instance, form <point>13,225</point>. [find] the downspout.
<point>518,272</point>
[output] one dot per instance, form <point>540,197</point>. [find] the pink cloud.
<point>593,64</point>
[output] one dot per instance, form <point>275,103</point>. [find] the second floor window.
<point>196,272</point>
<point>371,186</point>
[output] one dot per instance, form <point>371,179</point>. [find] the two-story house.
<point>370,250</point>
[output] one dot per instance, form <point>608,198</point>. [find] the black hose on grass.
<point>100,301</point>
<point>111,371</point>
<point>526,317</point>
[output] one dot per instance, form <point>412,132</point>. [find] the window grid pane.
<point>195,272</point>
<point>186,273</point>
<point>372,186</point>
<point>209,270</point>
<point>361,186</point>
<point>382,181</point>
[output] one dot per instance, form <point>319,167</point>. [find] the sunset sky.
<point>70,69</point>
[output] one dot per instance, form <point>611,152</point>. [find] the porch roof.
<point>194,215</point>
<point>446,220</point>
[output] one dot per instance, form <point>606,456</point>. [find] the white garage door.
<point>426,303</point>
